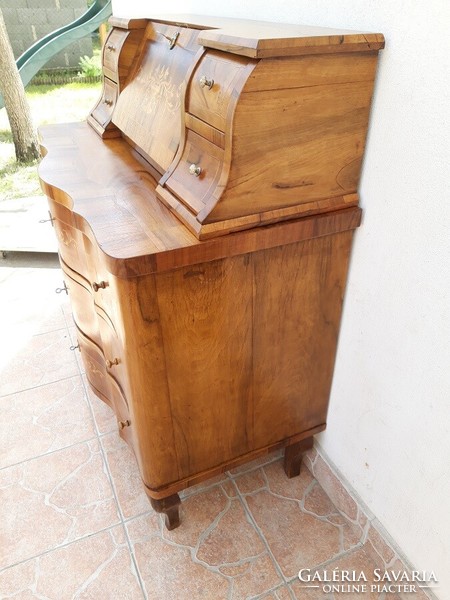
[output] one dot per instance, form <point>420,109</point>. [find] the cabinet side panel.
<point>299,290</point>
<point>206,322</point>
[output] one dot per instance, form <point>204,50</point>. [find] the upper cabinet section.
<point>241,123</point>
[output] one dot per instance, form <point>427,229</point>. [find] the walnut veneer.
<point>205,215</point>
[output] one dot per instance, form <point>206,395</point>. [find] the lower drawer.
<point>105,386</point>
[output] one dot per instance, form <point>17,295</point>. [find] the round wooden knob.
<point>111,363</point>
<point>205,82</point>
<point>96,286</point>
<point>195,170</point>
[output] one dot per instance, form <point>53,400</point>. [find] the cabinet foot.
<point>170,507</point>
<point>293,456</point>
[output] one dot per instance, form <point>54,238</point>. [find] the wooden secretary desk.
<point>205,215</point>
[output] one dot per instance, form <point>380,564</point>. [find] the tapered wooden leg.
<point>293,456</point>
<point>170,507</point>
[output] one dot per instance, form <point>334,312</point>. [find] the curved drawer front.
<point>215,86</point>
<point>94,364</point>
<point>103,111</point>
<point>82,304</point>
<point>104,384</point>
<point>111,52</point>
<point>120,406</point>
<point>196,177</point>
<point>113,351</point>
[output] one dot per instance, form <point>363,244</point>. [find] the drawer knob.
<point>111,47</point>
<point>77,347</point>
<point>64,288</point>
<point>111,363</point>
<point>123,424</point>
<point>96,286</point>
<point>195,170</point>
<point>205,82</point>
<point>108,102</point>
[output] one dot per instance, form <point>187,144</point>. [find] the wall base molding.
<point>372,536</point>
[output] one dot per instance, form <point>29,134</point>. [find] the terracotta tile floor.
<point>75,520</point>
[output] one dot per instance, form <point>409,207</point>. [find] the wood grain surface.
<point>205,216</point>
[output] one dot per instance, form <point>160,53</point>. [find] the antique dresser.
<point>205,215</point>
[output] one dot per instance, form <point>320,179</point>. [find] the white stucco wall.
<point>388,427</point>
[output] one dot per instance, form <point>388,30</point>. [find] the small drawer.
<point>111,53</point>
<point>214,86</point>
<point>103,111</point>
<point>196,177</point>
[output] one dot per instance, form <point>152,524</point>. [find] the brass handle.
<point>111,47</point>
<point>96,286</point>
<point>195,170</point>
<point>205,82</point>
<point>111,363</point>
<point>64,288</point>
<point>123,424</point>
<point>108,102</point>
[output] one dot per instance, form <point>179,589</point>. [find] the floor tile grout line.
<point>328,562</point>
<point>89,439</point>
<point>52,330</point>
<point>273,591</point>
<point>76,347</point>
<point>121,516</point>
<point>60,546</point>
<point>50,452</point>
<point>116,497</point>
<point>134,561</point>
<point>86,392</point>
<point>261,535</point>
<point>323,564</point>
<point>34,387</point>
<point>111,481</point>
<point>122,519</point>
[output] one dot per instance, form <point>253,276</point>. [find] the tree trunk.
<point>17,109</point>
